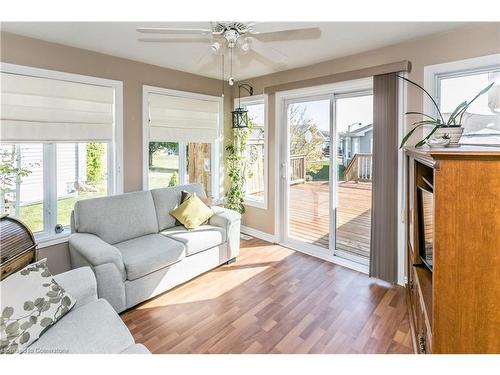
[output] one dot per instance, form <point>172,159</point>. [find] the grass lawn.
<point>162,170</point>
<point>32,214</point>
<point>164,161</point>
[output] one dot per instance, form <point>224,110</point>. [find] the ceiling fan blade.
<point>175,40</point>
<point>169,30</point>
<point>267,52</point>
<point>253,54</point>
<point>285,35</point>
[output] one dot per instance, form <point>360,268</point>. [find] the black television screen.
<point>425,200</point>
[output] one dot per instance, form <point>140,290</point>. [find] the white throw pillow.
<point>31,301</point>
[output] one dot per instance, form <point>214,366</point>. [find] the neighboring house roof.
<point>361,131</point>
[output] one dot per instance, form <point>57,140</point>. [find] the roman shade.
<point>38,109</point>
<point>182,119</point>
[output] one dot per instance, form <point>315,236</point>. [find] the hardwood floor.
<point>275,300</point>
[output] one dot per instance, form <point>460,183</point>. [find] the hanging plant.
<point>237,167</point>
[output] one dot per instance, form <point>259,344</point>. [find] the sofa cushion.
<point>149,253</point>
<point>91,329</point>
<point>117,218</point>
<point>202,238</point>
<point>166,199</point>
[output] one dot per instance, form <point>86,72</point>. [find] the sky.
<point>458,89</point>
<point>349,110</point>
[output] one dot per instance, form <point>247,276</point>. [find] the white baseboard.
<point>258,234</point>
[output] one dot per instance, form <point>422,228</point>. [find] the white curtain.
<point>180,119</point>
<point>49,110</point>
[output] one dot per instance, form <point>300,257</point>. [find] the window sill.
<point>262,204</point>
<point>47,241</point>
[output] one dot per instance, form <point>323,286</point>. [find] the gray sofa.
<point>90,327</point>
<point>135,249</point>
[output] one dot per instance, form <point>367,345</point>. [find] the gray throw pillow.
<point>31,302</point>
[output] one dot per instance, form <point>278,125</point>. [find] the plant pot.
<point>454,132</point>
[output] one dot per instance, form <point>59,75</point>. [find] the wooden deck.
<point>309,215</point>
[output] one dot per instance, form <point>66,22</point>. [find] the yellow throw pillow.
<point>192,212</point>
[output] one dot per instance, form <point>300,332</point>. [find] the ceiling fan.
<point>246,38</point>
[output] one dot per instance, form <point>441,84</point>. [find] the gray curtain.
<point>383,254</point>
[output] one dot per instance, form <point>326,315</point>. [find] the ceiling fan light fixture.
<point>215,47</point>
<point>244,45</point>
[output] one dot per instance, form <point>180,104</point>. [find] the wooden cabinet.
<point>456,307</point>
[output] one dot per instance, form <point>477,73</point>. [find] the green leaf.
<point>420,114</point>
<point>455,112</point>
<point>55,299</point>
<point>28,306</point>
<point>483,91</point>
<point>56,288</point>
<point>12,349</point>
<point>45,307</point>
<point>408,135</point>
<point>24,338</point>
<point>26,325</point>
<point>51,293</point>
<point>422,142</point>
<point>39,302</point>
<point>7,312</point>
<point>425,91</point>
<point>12,327</point>
<point>46,273</point>
<point>45,322</point>
<point>66,301</point>
<point>33,319</point>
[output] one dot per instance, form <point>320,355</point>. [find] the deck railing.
<point>359,168</point>
<point>297,169</point>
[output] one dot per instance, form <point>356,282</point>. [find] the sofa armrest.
<point>96,252</point>
<point>224,216</point>
<point>231,221</point>
<point>80,283</point>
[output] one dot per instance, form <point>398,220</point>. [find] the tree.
<point>10,173</point>
<point>305,137</point>
<point>156,146</point>
<point>95,152</point>
<point>174,180</point>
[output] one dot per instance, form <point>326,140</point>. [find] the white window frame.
<point>216,145</point>
<point>433,74</point>
<point>250,100</point>
<point>115,149</point>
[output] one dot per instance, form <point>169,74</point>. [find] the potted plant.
<point>451,128</point>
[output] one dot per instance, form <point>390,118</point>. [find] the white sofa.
<point>135,249</point>
<point>90,327</point>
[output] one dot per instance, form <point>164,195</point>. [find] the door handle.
<point>283,170</point>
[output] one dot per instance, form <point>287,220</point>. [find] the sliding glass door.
<point>354,135</point>
<point>307,185</point>
<point>326,175</point>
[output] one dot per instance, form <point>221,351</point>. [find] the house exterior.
<point>358,139</point>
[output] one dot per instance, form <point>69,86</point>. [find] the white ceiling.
<point>120,39</point>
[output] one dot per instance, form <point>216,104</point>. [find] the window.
<point>60,141</point>
<point>460,81</point>
<point>182,139</point>
<point>256,153</point>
